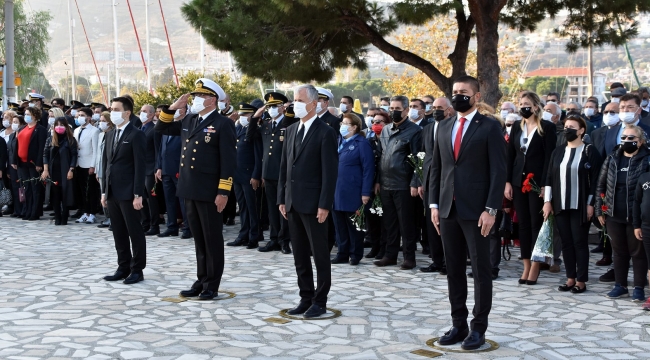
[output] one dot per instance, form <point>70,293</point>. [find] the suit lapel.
<point>471,129</point>
<point>127,130</point>
<point>448,136</point>
<point>312,129</point>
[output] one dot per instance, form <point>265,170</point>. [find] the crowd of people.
<point>319,176</point>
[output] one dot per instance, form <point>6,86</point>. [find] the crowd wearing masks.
<point>409,175</point>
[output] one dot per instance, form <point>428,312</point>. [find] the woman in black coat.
<point>532,141</point>
<point>59,162</point>
<point>17,123</point>
<point>570,194</point>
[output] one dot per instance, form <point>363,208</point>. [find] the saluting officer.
<point>273,134</point>
<point>208,162</point>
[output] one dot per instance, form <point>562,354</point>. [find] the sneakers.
<point>638,295</point>
<point>618,292</point>
<point>646,305</point>
<point>90,219</point>
<point>82,219</point>
<point>608,277</point>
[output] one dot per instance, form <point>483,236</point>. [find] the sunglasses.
<point>523,148</point>
<point>628,137</point>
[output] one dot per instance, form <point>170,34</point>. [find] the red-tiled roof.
<point>548,72</point>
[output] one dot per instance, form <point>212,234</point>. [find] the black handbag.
<point>5,195</point>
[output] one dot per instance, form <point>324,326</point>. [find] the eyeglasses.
<point>523,148</point>
<point>628,137</point>
<point>610,112</point>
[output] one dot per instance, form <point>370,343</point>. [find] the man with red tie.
<point>467,178</point>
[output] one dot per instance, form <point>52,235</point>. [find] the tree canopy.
<point>306,40</point>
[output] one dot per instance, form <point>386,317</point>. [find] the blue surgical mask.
<point>76,121</point>
<point>28,119</point>
<point>344,130</point>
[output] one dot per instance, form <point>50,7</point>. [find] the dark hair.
<point>387,119</point>
<point>21,119</point>
<point>630,96</point>
<point>349,98</point>
<point>553,93</point>
<point>59,101</point>
<point>593,101</point>
<point>61,120</point>
<point>616,85</point>
<point>163,107</point>
<point>126,103</point>
<point>422,104</point>
<point>581,121</point>
<point>430,97</point>
<point>101,107</point>
<point>36,113</point>
<point>87,111</point>
<point>470,80</point>
<point>385,98</point>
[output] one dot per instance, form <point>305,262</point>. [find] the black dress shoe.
<point>371,254</point>
<point>443,270</point>
<point>252,245</point>
<point>146,228</point>
<point>134,278</point>
<point>426,251</point>
<point>429,269</point>
<point>230,222</point>
<point>473,341</point>
<point>110,227</point>
<point>339,260</point>
<point>470,275</point>
<point>186,234</point>
<point>104,225</point>
<point>286,249</point>
<point>597,249</point>
<point>207,295</point>
<point>578,290</point>
<point>119,275</point>
<point>154,230</point>
<point>367,244</point>
<point>300,309</point>
<point>314,311</point>
<point>354,261</point>
<point>190,293</point>
<point>238,242</point>
<point>168,233</point>
<point>380,255</point>
<point>270,246</point>
<point>453,336</point>
<point>495,274</point>
<point>385,262</point>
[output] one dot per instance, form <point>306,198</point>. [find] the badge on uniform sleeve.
<point>282,134</point>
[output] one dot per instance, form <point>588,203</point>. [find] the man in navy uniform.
<point>273,134</point>
<point>208,162</point>
<point>248,179</point>
<point>322,109</point>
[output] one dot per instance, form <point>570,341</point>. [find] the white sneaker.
<point>82,219</point>
<point>90,219</point>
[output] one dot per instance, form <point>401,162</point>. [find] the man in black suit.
<point>346,106</point>
<point>308,174</point>
<point>151,210</point>
<point>208,162</point>
<point>123,176</point>
<point>428,108</point>
<point>468,176</point>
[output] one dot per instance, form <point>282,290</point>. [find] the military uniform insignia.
<point>208,138</point>
<point>282,134</point>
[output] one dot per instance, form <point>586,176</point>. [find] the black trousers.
<point>150,212</point>
<point>61,211</point>
<point>529,207</point>
<point>307,234</point>
<point>626,247</point>
<point>33,190</point>
<point>206,224</point>
<point>19,208</point>
<point>575,247</point>
<point>349,239</point>
<point>279,225</point>
<point>128,234</point>
<point>230,211</point>
<point>248,213</point>
<point>373,226</point>
<point>495,242</point>
<point>419,214</point>
<point>171,202</point>
<point>87,186</point>
<point>399,219</point>
<point>435,241</point>
<point>453,229</point>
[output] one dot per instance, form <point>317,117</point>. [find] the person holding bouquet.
<point>570,196</point>
<point>353,188</point>
<point>616,185</point>
<point>531,144</point>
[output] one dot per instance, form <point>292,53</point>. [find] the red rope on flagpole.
<point>91,53</point>
<point>169,45</point>
<point>137,38</point>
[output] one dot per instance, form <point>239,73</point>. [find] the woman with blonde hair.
<point>531,144</point>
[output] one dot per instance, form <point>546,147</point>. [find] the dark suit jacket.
<point>598,140</point>
<point>36,146</point>
<point>272,141</point>
<point>428,142</point>
<point>123,164</point>
<point>477,179</point>
<point>308,176</point>
<point>151,150</point>
<point>3,155</point>
<point>249,156</point>
<point>135,120</point>
<point>334,121</point>
<point>536,158</point>
<point>169,156</point>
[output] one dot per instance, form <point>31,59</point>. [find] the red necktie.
<point>459,137</point>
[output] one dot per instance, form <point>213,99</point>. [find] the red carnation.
<point>177,175</point>
<point>602,195</point>
<point>56,183</point>
<point>604,208</point>
<point>529,176</point>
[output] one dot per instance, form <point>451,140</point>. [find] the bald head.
<point>442,108</point>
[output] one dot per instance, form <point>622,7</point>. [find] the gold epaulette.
<point>166,117</point>
<point>225,184</point>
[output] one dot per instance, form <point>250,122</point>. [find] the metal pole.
<point>117,51</point>
<point>8,74</point>
<point>590,69</point>
<point>146,20</point>
<point>4,87</point>
<point>74,80</point>
<point>202,52</point>
<point>108,82</point>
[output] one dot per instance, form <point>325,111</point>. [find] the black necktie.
<point>81,132</point>
<point>273,126</point>
<point>117,140</point>
<point>301,134</point>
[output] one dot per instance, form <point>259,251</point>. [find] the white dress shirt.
<point>454,130</point>
<point>307,125</point>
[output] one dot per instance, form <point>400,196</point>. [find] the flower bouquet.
<point>359,219</point>
<point>375,207</point>
<point>544,246</point>
<point>417,163</point>
<point>604,208</point>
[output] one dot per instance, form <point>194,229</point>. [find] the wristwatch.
<point>492,212</point>
<point>136,196</point>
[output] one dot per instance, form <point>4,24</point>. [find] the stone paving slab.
<point>53,304</point>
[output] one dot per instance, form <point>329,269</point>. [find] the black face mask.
<point>629,147</point>
<point>396,116</point>
<point>526,112</point>
<point>570,134</point>
<point>439,115</point>
<point>461,102</point>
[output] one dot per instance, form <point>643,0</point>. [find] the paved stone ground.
<point>53,304</point>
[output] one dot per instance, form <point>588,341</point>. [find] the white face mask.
<point>369,121</point>
<point>644,103</point>
<point>547,116</point>
<point>243,120</point>
<point>144,116</point>
<point>116,118</point>
<point>504,113</point>
<point>627,117</point>
<point>589,112</point>
<point>103,126</point>
<point>319,108</point>
<point>197,105</point>
<point>222,105</point>
<point>428,107</point>
<point>386,108</point>
<point>73,112</point>
<point>611,119</point>
<point>32,104</point>
<point>82,120</point>
<point>274,112</point>
<point>413,114</point>
<point>344,107</point>
<point>50,120</point>
<point>6,123</point>
<point>95,117</point>
<point>300,109</point>
<point>616,100</point>
<point>14,127</point>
